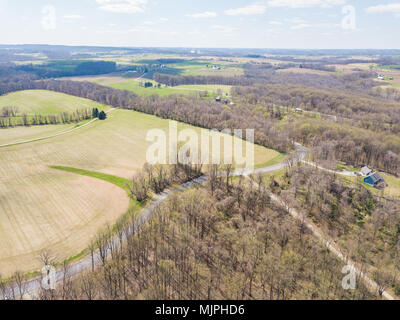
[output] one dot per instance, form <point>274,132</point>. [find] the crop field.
<point>14,135</point>
<point>46,102</point>
<point>45,208</point>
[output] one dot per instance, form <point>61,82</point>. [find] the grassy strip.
<point>278,159</point>
<point>118,181</point>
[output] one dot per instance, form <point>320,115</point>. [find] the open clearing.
<point>133,85</point>
<point>43,208</point>
<point>46,102</point>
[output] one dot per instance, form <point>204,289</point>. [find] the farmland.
<point>46,102</point>
<point>44,208</point>
<point>121,83</point>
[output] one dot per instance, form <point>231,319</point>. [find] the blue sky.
<point>207,23</point>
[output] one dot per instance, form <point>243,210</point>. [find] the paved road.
<point>31,288</point>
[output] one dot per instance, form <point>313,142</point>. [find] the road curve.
<point>32,287</point>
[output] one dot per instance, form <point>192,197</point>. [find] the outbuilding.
<point>366,171</point>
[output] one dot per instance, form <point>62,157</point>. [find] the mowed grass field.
<point>133,85</point>
<point>44,208</point>
<point>199,68</point>
<point>45,102</point>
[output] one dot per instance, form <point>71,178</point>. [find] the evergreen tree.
<point>95,112</point>
<point>102,115</point>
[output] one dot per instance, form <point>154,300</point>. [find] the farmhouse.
<point>366,171</point>
<point>374,179</point>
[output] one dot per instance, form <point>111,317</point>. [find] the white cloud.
<point>296,20</point>
<point>385,8</point>
<point>49,20</point>
<point>224,29</point>
<point>275,23</point>
<point>305,3</point>
<point>73,17</point>
<point>246,11</point>
<point>207,14</point>
<point>301,26</point>
<point>122,6</point>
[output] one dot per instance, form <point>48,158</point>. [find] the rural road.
<point>32,287</point>
<point>342,173</point>
<point>329,244</point>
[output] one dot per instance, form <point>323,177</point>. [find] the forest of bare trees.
<point>366,226</point>
<point>224,239</point>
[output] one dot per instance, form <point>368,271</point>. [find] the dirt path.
<point>328,243</point>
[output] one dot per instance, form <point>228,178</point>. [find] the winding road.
<point>31,288</point>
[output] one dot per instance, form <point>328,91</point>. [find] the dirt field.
<point>46,209</point>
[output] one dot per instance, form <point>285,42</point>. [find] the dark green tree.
<point>95,112</point>
<point>102,115</point>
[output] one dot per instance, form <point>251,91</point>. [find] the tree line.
<point>173,81</point>
<point>353,142</point>
<point>12,119</point>
<point>191,110</point>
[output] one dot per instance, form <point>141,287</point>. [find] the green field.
<point>44,208</point>
<point>199,68</point>
<point>133,85</point>
<point>391,67</point>
<point>185,90</point>
<point>46,102</point>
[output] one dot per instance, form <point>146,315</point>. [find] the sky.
<point>302,24</point>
